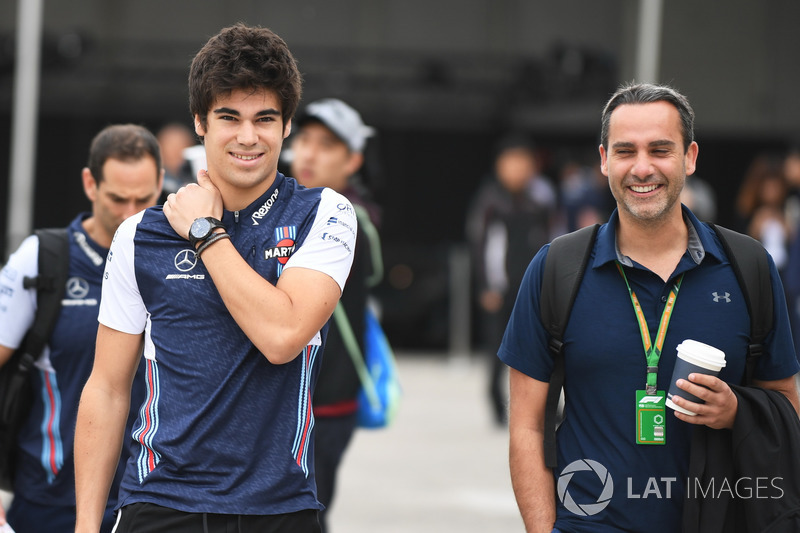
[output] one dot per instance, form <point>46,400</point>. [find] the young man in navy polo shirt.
<point>652,247</point>
<point>228,290</point>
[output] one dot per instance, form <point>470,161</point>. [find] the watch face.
<point>200,228</point>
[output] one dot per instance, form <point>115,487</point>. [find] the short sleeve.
<point>330,243</point>
<point>780,359</point>
<point>121,305</point>
<point>524,346</point>
<point>17,304</point>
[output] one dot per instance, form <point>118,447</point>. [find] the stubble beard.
<point>650,211</point>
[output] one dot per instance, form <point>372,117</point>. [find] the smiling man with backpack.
<point>123,176</point>
<point>653,277</point>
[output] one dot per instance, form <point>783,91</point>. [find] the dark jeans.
<point>494,325</point>
<point>151,518</point>
<point>333,434</point>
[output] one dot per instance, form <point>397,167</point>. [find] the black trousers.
<point>151,518</point>
<point>332,436</point>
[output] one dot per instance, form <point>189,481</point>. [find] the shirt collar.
<point>254,213</point>
<point>702,241</point>
<point>93,251</point>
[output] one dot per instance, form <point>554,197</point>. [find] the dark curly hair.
<point>243,57</point>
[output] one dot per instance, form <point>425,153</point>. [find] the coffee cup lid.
<point>703,352</point>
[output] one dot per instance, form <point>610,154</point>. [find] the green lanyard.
<point>652,351</point>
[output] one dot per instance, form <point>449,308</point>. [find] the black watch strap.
<point>211,224</point>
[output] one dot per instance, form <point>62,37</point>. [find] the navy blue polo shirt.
<point>221,428</point>
<point>605,365</point>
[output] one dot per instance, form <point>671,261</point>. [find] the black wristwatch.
<point>202,228</point>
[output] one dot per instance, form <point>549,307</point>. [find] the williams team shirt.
<point>221,429</point>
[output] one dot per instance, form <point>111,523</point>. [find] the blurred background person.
<point>791,171</point>
<point>327,150</point>
<point>174,138</point>
<point>123,176</point>
<point>761,206</point>
<point>700,197</point>
<point>791,274</point>
<point>583,195</point>
<point>512,215</point>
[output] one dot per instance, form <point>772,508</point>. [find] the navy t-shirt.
<point>605,365</point>
<point>223,430</point>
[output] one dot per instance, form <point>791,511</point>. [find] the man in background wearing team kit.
<point>229,289</point>
<point>327,150</point>
<point>123,176</point>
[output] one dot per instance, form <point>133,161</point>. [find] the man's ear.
<point>198,126</point>
<point>603,161</point>
<point>690,159</point>
<point>287,130</point>
<point>160,182</point>
<point>89,184</point>
<point>354,162</point>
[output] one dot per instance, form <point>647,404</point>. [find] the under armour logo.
<point>726,297</point>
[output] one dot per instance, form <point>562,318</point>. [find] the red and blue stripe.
<point>305,415</point>
<point>145,433</point>
<point>281,233</point>
<point>52,456</point>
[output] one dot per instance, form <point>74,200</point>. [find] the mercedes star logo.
<point>185,260</point>
<point>77,288</point>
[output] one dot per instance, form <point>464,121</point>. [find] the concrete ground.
<point>442,466</point>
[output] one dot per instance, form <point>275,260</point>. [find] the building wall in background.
<point>441,80</point>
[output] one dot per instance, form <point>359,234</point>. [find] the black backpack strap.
<point>749,261</point>
<point>564,266</point>
<point>50,286</point>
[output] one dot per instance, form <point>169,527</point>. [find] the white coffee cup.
<point>693,357</point>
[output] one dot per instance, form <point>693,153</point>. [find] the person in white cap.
<point>327,150</point>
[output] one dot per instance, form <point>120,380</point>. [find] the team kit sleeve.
<point>17,304</point>
<point>121,305</point>
<point>330,243</point>
<point>524,346</point>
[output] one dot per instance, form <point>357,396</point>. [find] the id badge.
<point>651,417</point>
